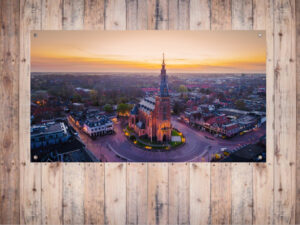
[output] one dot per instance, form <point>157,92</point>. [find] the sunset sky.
<point>141,51</point>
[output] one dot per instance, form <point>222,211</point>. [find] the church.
<point>152,116</point>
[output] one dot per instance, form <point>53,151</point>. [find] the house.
<point>98,126</point>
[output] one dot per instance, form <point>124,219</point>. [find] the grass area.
<point>175,133</point>
<point>147,144</point>
<point>175,144</point>
<point>148,140</point>
<point>130,130</point>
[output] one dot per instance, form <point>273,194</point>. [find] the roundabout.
<point>147,144</point>
<point>197,148</point>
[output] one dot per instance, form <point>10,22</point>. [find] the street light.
<point>260,157</point>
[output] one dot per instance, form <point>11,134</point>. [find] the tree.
<point>122,99</point>
<point>123,108</point>
<point>182,88</point>
<point>94,97</point>
<point>178,108</point>
<point>240,104</point>
<point>77,98</point>
<point>108,108</point>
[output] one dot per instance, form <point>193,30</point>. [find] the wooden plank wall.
<point>154,193</point>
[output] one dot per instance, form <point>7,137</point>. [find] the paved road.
<point>199,146</point>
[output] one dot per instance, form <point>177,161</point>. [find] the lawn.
<point>175,144</point>
<point>175,133</point>
<point>129,132</point>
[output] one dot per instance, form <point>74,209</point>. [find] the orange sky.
<point>141,51</point>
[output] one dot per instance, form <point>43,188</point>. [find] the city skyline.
<point>141,51</point>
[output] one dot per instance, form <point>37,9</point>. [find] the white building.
<point>49,134</point>
<point>98,126</point>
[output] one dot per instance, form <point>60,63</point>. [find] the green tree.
<point>94,97</point>
<point>182,88</point>
<point>122,99</point>
<point>123,108</point>
<point>108,108</point>
<point>178,108</point>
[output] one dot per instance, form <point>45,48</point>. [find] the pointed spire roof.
<point>164,92</point>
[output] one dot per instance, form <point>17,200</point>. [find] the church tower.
<point>163,108</point>
<point>164,92</point>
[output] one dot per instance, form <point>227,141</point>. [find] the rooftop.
<point>97,120</point>
<point>47,129</point>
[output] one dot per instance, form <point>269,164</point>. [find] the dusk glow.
<point>141,51</point>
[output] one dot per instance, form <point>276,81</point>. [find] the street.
<point>199,146</point>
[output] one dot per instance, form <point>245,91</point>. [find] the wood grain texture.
<point>94,173</point>
<point>158,187</point>
<point>73,173</point>
<point>135,193</point>
<point>285,115</point>
<point>9,111</point>
<point>136,189</point>
<point>298,112</point>
<point>262,194</point>
<point>179,194</point>
<point>200,212</point>
<point>52,193</point>
<point>115,173</point>
<point>179,15</point>
<point>30,174</point>
<point>52,14</point>
<point>242,18</point>
<point>73,193</point>
<point>94,193</point>
<point>263,182</point>
<point>241,173</point>
<point>136,15</point>
<point>220,193</point>
<point>259,11</point>
<point>115,193</point>
<point>199,188</point>
<point>94,14</point>
<point>30,194</point>
<point>73,14</point>
<point>136,183</point>
<point>220,14</point>
<point>115,14</point>
<point>158,15</point>
<point>200,14</point>
<point>241,193</point>
<point>52,174</point>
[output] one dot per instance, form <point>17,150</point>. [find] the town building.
<point>152,116</point>
<point>98,126</point>
<point>48,134</point>
<point>92,121</point>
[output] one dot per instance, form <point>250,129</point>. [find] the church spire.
<point>164,92</point>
